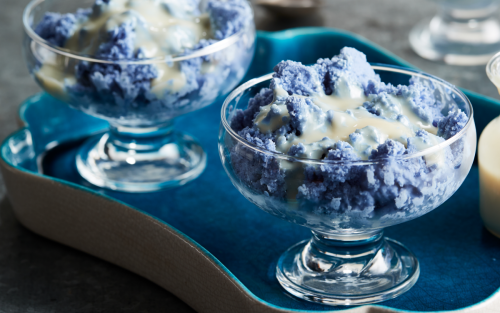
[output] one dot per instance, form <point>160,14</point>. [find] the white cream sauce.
<point>268,122</point>
<point>401,106</point>
<point>54,80</point>
<point>346,116</point>
<point>437,158</point>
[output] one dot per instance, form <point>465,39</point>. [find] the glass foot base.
<point>133,167</point>
<point>347,275</point>
<point>472,43</point>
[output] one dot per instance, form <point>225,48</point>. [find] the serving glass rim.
<point>494,59</point>
<point>375,66</point>
<point>216,47</point>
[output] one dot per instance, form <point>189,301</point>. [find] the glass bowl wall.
<point>348,261</point>
<point>142,151</point>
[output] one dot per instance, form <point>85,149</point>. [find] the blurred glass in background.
<point>464,32</point>
<point>291,8</point>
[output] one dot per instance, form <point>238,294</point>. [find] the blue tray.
<point>460,260</point>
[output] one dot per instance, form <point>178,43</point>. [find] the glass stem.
<point>141,140</point>
<point>325,253</point>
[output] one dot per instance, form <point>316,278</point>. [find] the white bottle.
<point>489,176</point>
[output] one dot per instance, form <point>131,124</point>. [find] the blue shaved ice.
<point>355,182</point>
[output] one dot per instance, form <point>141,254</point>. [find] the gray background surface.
<point>37,275</point>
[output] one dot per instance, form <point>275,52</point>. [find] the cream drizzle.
<point>349,116</point>
<point>437,158</point>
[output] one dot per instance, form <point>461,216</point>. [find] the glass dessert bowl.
<point>139,66</point>
<point>346,203</point>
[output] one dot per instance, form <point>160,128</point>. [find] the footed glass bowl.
<point>348,261</point>
<point>141,151</point>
